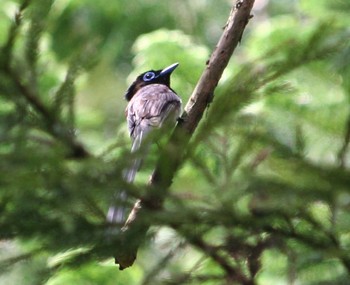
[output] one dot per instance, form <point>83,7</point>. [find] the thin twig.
<point>231,272</point>
<point>7,48</point>
<point>161,264</point>
<point>344,148</point>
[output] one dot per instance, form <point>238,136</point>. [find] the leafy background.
<point>263,195</point>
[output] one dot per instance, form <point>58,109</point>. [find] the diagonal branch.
<point>204,91</point>
<point>172,156</point>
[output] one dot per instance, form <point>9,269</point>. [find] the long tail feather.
<point>117,211</point>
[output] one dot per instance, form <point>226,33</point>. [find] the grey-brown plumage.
<point>152,105</point>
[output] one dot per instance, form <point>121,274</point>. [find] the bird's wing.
<point>150,107</point>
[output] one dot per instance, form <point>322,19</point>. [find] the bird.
<point>152,104</point>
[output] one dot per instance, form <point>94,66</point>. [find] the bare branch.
<point>204,91</point>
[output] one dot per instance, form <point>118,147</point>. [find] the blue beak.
<point>169,69</point>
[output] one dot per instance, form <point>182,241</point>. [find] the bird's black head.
<point>161,76</point>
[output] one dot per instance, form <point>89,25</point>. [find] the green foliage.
<point>175,47</point>
<point>262,195</point>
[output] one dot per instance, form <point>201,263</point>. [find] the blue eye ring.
<point>149,76</point>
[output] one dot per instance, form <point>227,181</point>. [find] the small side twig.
<point>7,48</point>
<point>232,273</point>
<point>344,148</point>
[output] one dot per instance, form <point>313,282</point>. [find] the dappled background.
<point>263,195</point>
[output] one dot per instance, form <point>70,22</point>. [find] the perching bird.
<point>152,105</point>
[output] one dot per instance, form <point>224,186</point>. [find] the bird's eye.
<point>149,76</point>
